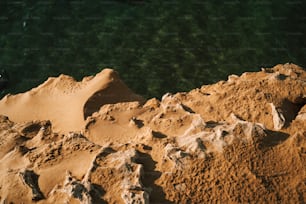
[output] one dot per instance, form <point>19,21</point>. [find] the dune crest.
<point>237,141</point>
<point>66,102</point>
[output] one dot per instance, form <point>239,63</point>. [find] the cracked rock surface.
<point>237,141</point>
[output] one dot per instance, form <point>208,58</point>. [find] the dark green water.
<point>156,46</point>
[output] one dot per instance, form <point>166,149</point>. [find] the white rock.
<point>135,197</point>
<point>278,117</point>
<point>232,78</point>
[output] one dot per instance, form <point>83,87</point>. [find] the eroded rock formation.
<point>236,141</point>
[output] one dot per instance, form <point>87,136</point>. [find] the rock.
<point>278,117</point>
<point>135,196</point>
<point>236,141</point>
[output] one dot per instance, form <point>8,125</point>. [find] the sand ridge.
<point>66,102</point>
<point>236,141</point>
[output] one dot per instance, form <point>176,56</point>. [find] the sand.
<point>66,102</point>
<point>95,141</point>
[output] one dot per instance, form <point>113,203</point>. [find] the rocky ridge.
<point>236,141</point>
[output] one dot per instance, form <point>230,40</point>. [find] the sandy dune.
<point>95,141</point>
<point>66,102</point>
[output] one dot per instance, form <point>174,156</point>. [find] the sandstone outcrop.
<point>237,141</point>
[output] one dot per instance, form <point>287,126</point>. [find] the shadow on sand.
<point>157,194</point>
